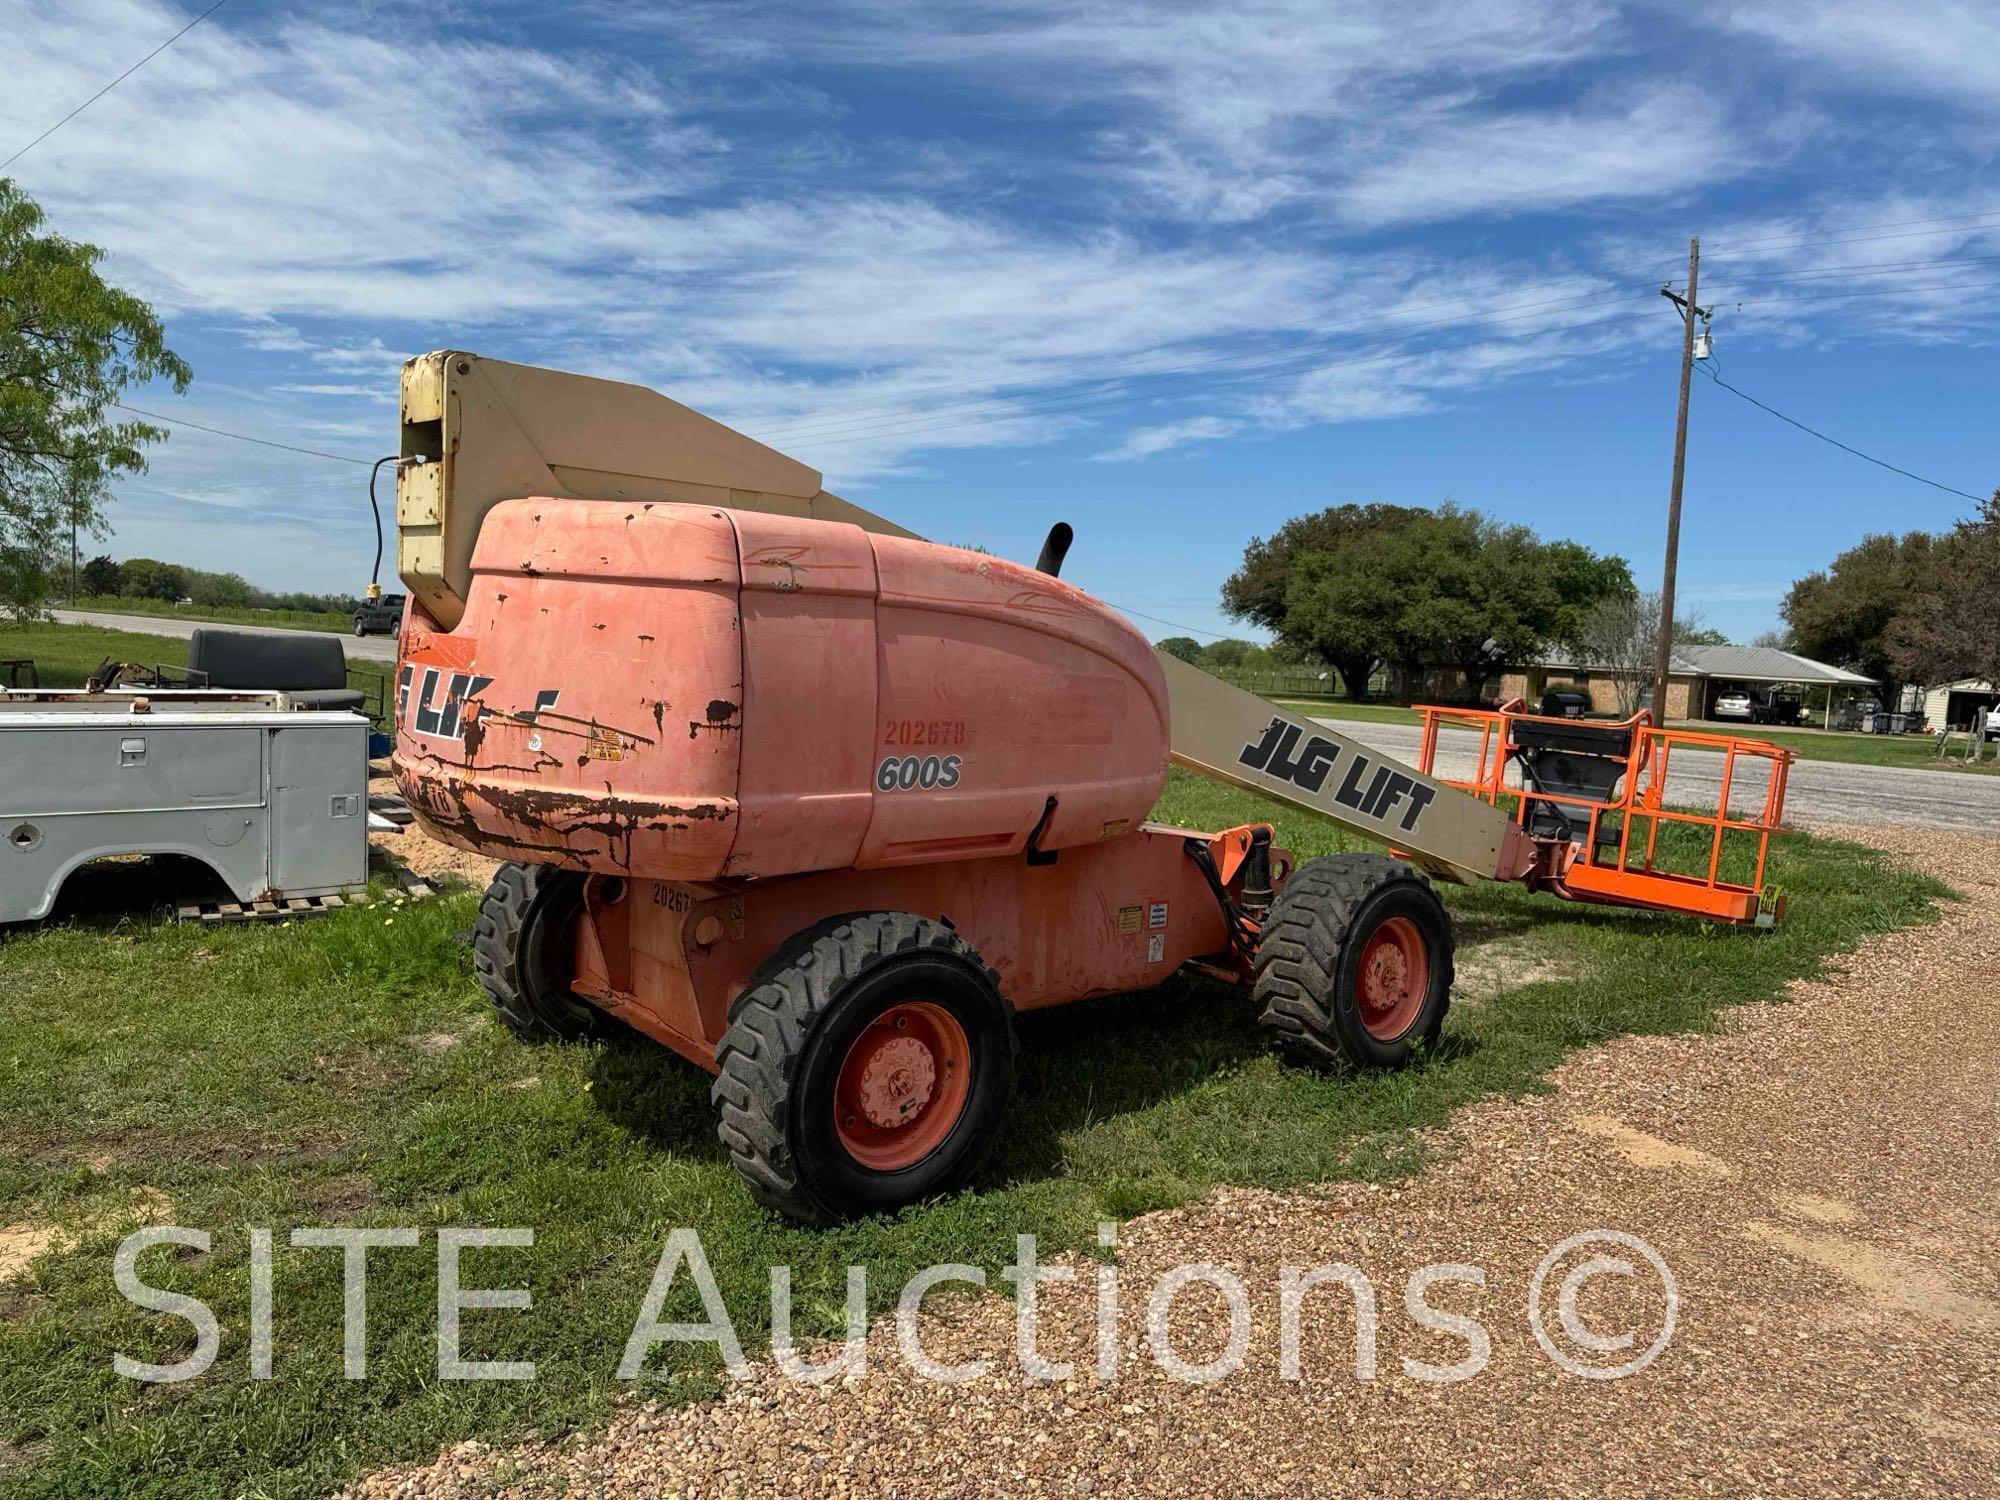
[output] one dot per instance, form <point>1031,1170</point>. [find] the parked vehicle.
<point>1733,704</point>
<point>1992,722</point>
<point>382,616</point>
<point>1776,707</point>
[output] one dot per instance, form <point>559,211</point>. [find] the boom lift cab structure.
<point>822,806</point>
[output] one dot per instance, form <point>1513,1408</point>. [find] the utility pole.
<point>1663,656</point>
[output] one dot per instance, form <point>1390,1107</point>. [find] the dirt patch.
<point>21,1243</point>
<point>426,856</point>
<point>1644,1150</point>
<point>433,861</point>
<point>1490,967</point>
<point>1819,1210</point>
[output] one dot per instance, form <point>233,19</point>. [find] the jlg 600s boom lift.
<point>822,805</point>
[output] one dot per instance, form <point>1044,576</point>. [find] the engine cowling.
<point>691,693</point>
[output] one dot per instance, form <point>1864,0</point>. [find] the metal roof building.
<point>1695,678</point>
<point>1762,664</point>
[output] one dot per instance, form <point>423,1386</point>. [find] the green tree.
<point>1443,587</point>
<point>70,344</point>
<point>1186,647</point>
<point>1844,614</point>
<point>1949,627</point>
<point>213,590</point>
<point>1341,608</point>
<point>148,578</point>
<point>1257,590</point>
<point>102,575</point>
<point>1233,654</point>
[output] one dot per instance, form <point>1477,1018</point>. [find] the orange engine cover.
<point>684,693</point>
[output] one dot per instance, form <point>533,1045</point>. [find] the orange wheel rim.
<point>1395,976</point>
<point>902,1086</point>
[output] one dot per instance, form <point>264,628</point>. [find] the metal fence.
<point>1296,682</point>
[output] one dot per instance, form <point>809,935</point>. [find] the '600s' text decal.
<point>1367,788</point>
<point>917,773</point>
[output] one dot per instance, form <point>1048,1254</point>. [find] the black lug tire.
<point>519,953</point>
<point>791,1028</point>
<point>1308,958</point>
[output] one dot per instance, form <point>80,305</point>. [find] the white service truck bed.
<point>273,799</point>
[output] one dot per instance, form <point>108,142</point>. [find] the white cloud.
<point>1922,45</point>
<point>1648,143</point>
<point>1145,442</point>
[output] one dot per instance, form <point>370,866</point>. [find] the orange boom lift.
<point>822,806</point>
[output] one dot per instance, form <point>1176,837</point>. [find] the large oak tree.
<point>1363,585</point>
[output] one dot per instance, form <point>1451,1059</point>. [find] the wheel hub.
<point>897,1081</point>
<point>1393,976</point>
<point>902,1085</point>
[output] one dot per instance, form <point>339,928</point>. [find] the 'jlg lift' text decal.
<point>1372,790</point>
<point>431,715</point>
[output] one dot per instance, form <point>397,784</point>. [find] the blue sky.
<point>1171,273</point>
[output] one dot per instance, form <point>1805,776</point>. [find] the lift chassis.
<point>822,806</point>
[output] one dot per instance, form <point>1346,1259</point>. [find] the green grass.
<point>221,614</point>
<point>261,1076</point>
<point>1917,752</point>
<point>65,655</point>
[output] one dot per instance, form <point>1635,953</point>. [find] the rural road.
<point>1818,791</point>
<point>359,648</point>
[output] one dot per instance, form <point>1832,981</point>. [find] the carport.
<point>1719,667</point>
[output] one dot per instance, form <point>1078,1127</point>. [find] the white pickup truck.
<point>1992,723</point>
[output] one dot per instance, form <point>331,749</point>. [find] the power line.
<point>241,437</point>
<point>1866,268</point>
<point>1176,624</point>
<point>1880,291</point>
<point>1781,243</point>
<point>113,84</point>
<point>1844,447</point>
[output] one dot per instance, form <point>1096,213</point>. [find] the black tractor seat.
<point>1571,758</point>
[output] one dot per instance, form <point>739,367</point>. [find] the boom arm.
<point>1225,733</point>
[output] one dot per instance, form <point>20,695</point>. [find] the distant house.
<point>1697,676</point>
<point>1953,705</point>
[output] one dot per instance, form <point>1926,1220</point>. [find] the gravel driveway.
<point>1818,792</point>
<point>1822,1180</point>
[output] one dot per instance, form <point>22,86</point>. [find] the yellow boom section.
<point>484,430</point>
